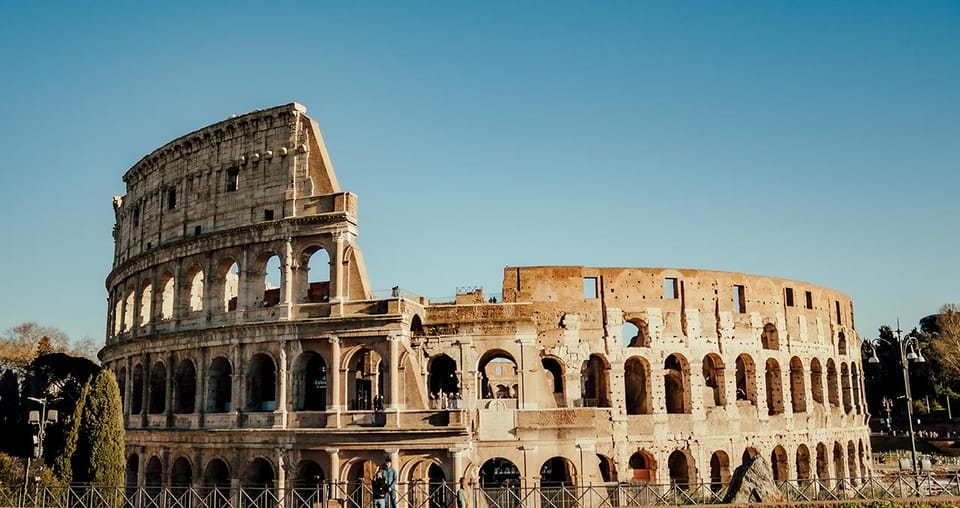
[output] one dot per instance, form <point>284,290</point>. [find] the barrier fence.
<point>443,495</point>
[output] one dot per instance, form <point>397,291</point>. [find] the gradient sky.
<point>817,141</point>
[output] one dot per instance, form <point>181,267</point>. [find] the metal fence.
<point>443,495</point>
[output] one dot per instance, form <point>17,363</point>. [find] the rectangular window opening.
<point>839,317</point>
<point>789,297</point>
<point>233,179</point>
<point>739,299</point>
<point>589,288</point>
<point>196,230</point>
<point>136,216</point>
<point>268,214</point>
<point>809,296</point>
<point>670,289</point>
<point>171,199</point>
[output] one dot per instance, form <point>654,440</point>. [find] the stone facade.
<point>251,350</point>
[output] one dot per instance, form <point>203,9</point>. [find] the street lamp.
<point>40,420</point>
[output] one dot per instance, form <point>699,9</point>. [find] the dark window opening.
<point>268,214</point>
<point>739,299</point>
<point>670,290</point>
<point>809,296</point>
<point>789,297</point>
<point>233,179</point>
<point>196,230</point>
<point>171,199</point>
<point>839,317</point>
<point>136,216</point>
<point>589,288</point>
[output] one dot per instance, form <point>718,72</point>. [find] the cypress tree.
<point>100,458</point>
<point>63,463</point>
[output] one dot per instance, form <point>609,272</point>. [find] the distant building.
<point>574,376</point>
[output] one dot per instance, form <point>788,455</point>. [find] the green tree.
<point>99,455</point>
<point>944,328</point>
<point>63,463</point>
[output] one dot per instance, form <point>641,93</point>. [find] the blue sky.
<point>817,141</point>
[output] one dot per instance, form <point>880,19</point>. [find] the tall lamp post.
<point>909,352</point>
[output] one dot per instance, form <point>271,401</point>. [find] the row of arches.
<point>635,332</point>
<point>223,285</point>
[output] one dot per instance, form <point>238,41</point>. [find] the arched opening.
<point>642,467</point>
<point>554,370</point>
<point>136,395</point>
<point>746,379</point>
<point>682,469</point>
<point>841,344</point>
<point>261,384</point>
<point>774,388</point>
<point>258,475</point>
<point>636,377</point>
<point>748,454</point>
<point>497,368</point>
<point>153,480</point>
<point>846,392</point>
<point>117,315</point>
<point>132,472</point>
<point>146,302</point>
<point>366,381</point>
<point>310,382</point>
<point>798,391</point>
<point>770,338</point>
<point>862,461</point>
<point>122,385</point>
<point>607,467</point>
<point>443,383</point>
<point>129,308</point>
<point>158,389</point>
<point>676,383</point>
<point>833,387</point>
<point>713,380</point>
<point>635,333</point>
<point>719,470</point>
<point>270,281</point>
<point>778,462</point>
<point>852,462</point>
<point>838,461</point>
<point>816,381</point>
<point>499,473</point>
<point>219,386</point>
<point>804,474</point>
<point>595,382</point>
<point>167,288</point>
<point>556,482</point>
<point>823,464</point>
<point>186,388</point>
<point>316,263</point>
<point>310,476</point>
<point>181,476</point>
<point>416,326</point>
<point>855,383</point>
<point>195,288</point>
<point>229,276</point>
<point>216,478</point>
<point>359,478</point>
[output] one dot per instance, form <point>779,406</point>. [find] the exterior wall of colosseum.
<point>251,351</point>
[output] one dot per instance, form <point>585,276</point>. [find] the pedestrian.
<point>390,477</point>
<point>462,493</point>
<point>379,490</point>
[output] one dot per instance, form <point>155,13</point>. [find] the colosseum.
<point>251,351</point>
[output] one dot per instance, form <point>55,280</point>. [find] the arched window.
<point>229,276</point>
<point>823,464</point>
<point>841,343</point>
<point>676,382</point>
<point>746,379</point>
<point>682,469</point>
<point>497,368</point>
<point>595,382</point>
<point>713,380</point>
<point>195,289</point>
<point>269,281</point>
<point>636,378</point>
<point>316,261</point>
<point>554,370</point>
<point>154,477</point>
<point>499,473</point>
<point>643,467</point>
<point>608,469</point>
<point>220,386</point>
<point>186,387</point>
<point>846,393</point>
<point>310,382</point>
<point>816,381</point>
<point>181,476</point>
<point>216,478</point>
<point>258,475</point>
<point>838,461</point>
<point>635,333</point>
<point>719,470</point>
<point>309,476</point>
<point>443,384</point>
<point>774,383</point>
<point>122,385</point>
<point>833,384</point>
<point>798,393</point>
<point>778,462</point>
<point>129,308</point>
<point>804,474</point>
<point>167,288</point>
<point>855,383</point>
<point>158,388</point>
<point>136,394</point>
<point>146,299</point>
<point>770,338</point>
<point>852,462</point>
<point>132,472</point>
<point>556,481</point>
<point>261,384</point>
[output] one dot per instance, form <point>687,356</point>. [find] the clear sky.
<point>817,141</point>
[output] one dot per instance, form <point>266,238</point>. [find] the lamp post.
<point>913,355</point>
<point>40,419</point>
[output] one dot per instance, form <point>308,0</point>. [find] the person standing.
<point>390,477</point>
<point>379,490</point>
<point>462,493</point>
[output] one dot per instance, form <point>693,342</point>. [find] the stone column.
<point>335,392</point>
<point>393,401</point>
<point>336,268</point>
<point>333,454</point>
<point>280,414</point>
<point>286,279</point>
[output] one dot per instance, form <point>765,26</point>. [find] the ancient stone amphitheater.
<point>251,350</point>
